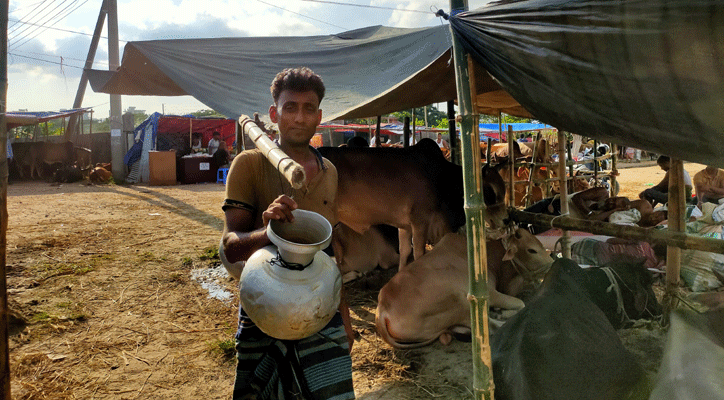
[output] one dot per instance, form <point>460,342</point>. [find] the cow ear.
<point>510,252</point>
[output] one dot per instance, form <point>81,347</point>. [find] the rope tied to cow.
<point>278,261</point>
<point>619,298</point>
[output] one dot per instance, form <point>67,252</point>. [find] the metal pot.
<point>292,290</point>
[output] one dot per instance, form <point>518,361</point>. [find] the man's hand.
<point>280,209</point>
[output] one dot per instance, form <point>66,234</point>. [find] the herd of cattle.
<point>57,162</point>
<point>559,316</point>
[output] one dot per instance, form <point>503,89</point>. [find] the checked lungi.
<point>316,367</point>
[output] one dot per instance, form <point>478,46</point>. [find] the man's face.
<point>665,165</point>
<point>297,114</point>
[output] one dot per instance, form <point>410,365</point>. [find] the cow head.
<point>527,254</point>
<point>494,196</point>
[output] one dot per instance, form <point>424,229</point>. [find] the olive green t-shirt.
<point>253,183</point>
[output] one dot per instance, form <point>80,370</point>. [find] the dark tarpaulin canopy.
<point>644,73</point>
<point>367,72</point>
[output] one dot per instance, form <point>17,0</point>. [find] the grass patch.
<point>187,262</point>
<point>223,348</point>
<point>53,270</point>
<point>209,253</point>
<point>149,256</point>
<point>40,317</point>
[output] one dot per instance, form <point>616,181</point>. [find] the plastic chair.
<point>221,175</point>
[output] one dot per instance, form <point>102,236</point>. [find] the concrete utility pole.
<point>4,308</point>
<point>78,102</point>
<point>118,139</point>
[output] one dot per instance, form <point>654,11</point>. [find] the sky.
<point>48,40</point>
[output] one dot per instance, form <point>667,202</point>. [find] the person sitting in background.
<point>214,143</point>
<point>660,193</point>
<point>196,143</point>
<point>221,157</point>
<point>441,143</point>
<point>709,184</point>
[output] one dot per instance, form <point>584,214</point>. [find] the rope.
<point>558,216</point>
<point>278,261</point>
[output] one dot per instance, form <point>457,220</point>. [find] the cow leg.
<point>501,300</point>
<point>418,241</point>
<point>405,237</point>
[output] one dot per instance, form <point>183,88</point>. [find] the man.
<point>709,184</point>
<point>318,367</point>
<point>660,193</point>
<point>214,143</point>
<point>441,143</point>
<point>221,157</point>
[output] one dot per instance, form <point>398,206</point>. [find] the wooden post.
<point>406,133</point>
<point>454,144</point>
<point>379,126</point>
<point>614,169</point>
<point>566,237</point>
<point>488,151</point>
<point>595,163</point>
<point>511,165</point>
<point>191,132</point>
<point>569,145</point>
<point>676,224</point>
<point>4,308</point>
<point>529,192</point>
<point>483,387</point>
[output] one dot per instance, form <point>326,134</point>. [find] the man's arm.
<point>663,186</point>
<point>240,239</point>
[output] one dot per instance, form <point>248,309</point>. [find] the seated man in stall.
<point>659,194</point>
<point>709,184</point>
<point>221,157</point>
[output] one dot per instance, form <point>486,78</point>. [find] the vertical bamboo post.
<point>595,163</point>
<point>377,135</point>
<point>529,194</point>
<point>676,224</point>
<point>488,150</point>
<point>191,132</point>
<point>569,145</point>
<point>565,238</point>
<point>483,386</point>
<point>614,169</point>
<point>454,144</point>
<point>511,164</point>
<point>406,133</point>
<point>4,308</point>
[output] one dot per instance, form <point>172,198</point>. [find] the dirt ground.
<point>112,287</point>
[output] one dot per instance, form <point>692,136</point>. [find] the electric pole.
<point>118,139</point>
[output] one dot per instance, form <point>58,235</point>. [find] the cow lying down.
<point>562,346</point>
<point>359,253</point>
<point>427,299</point>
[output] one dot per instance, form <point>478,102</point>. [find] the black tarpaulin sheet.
<point>643,73</point>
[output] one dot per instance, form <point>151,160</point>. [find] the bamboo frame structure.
<point>483,386</point>
<point>566,237</point>
<point>676,224</point>
<point>290,169</point>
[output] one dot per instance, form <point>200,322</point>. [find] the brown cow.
<point>413,189</point>
<point>428,300</point>
<point>100,175</point>
<point>47,153</point>
<point>357,254</point>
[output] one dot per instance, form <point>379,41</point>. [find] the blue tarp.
<point>517,127</point>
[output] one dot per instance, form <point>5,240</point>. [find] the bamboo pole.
<point>528,193</point>
<point>569,145</point>
<point>454,144</point>
<point>566,237</point>
<point>483,387</point>
<point>511,164</point>
<point>488,151</point>
<point>595,162</point>
<point>4,308</point>
<point>290,169</point>
<point>377,135</point>
<point>650,235</point>
<point>406,132</point>
<point>614,169</point>
<point>676,224</point>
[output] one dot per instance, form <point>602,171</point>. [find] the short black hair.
<point>663,160</point>
<point>300,79</point>
<point>216,133</point>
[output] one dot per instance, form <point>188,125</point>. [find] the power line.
<point>48,61</point>
<point>38,4</point>
<point>365,6</point>
<point>29,15</point>
<point>302,15</point>
<point>60,29</point>
<point>56,55</point>
<point>57,20</point>
<point>39,17</point>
